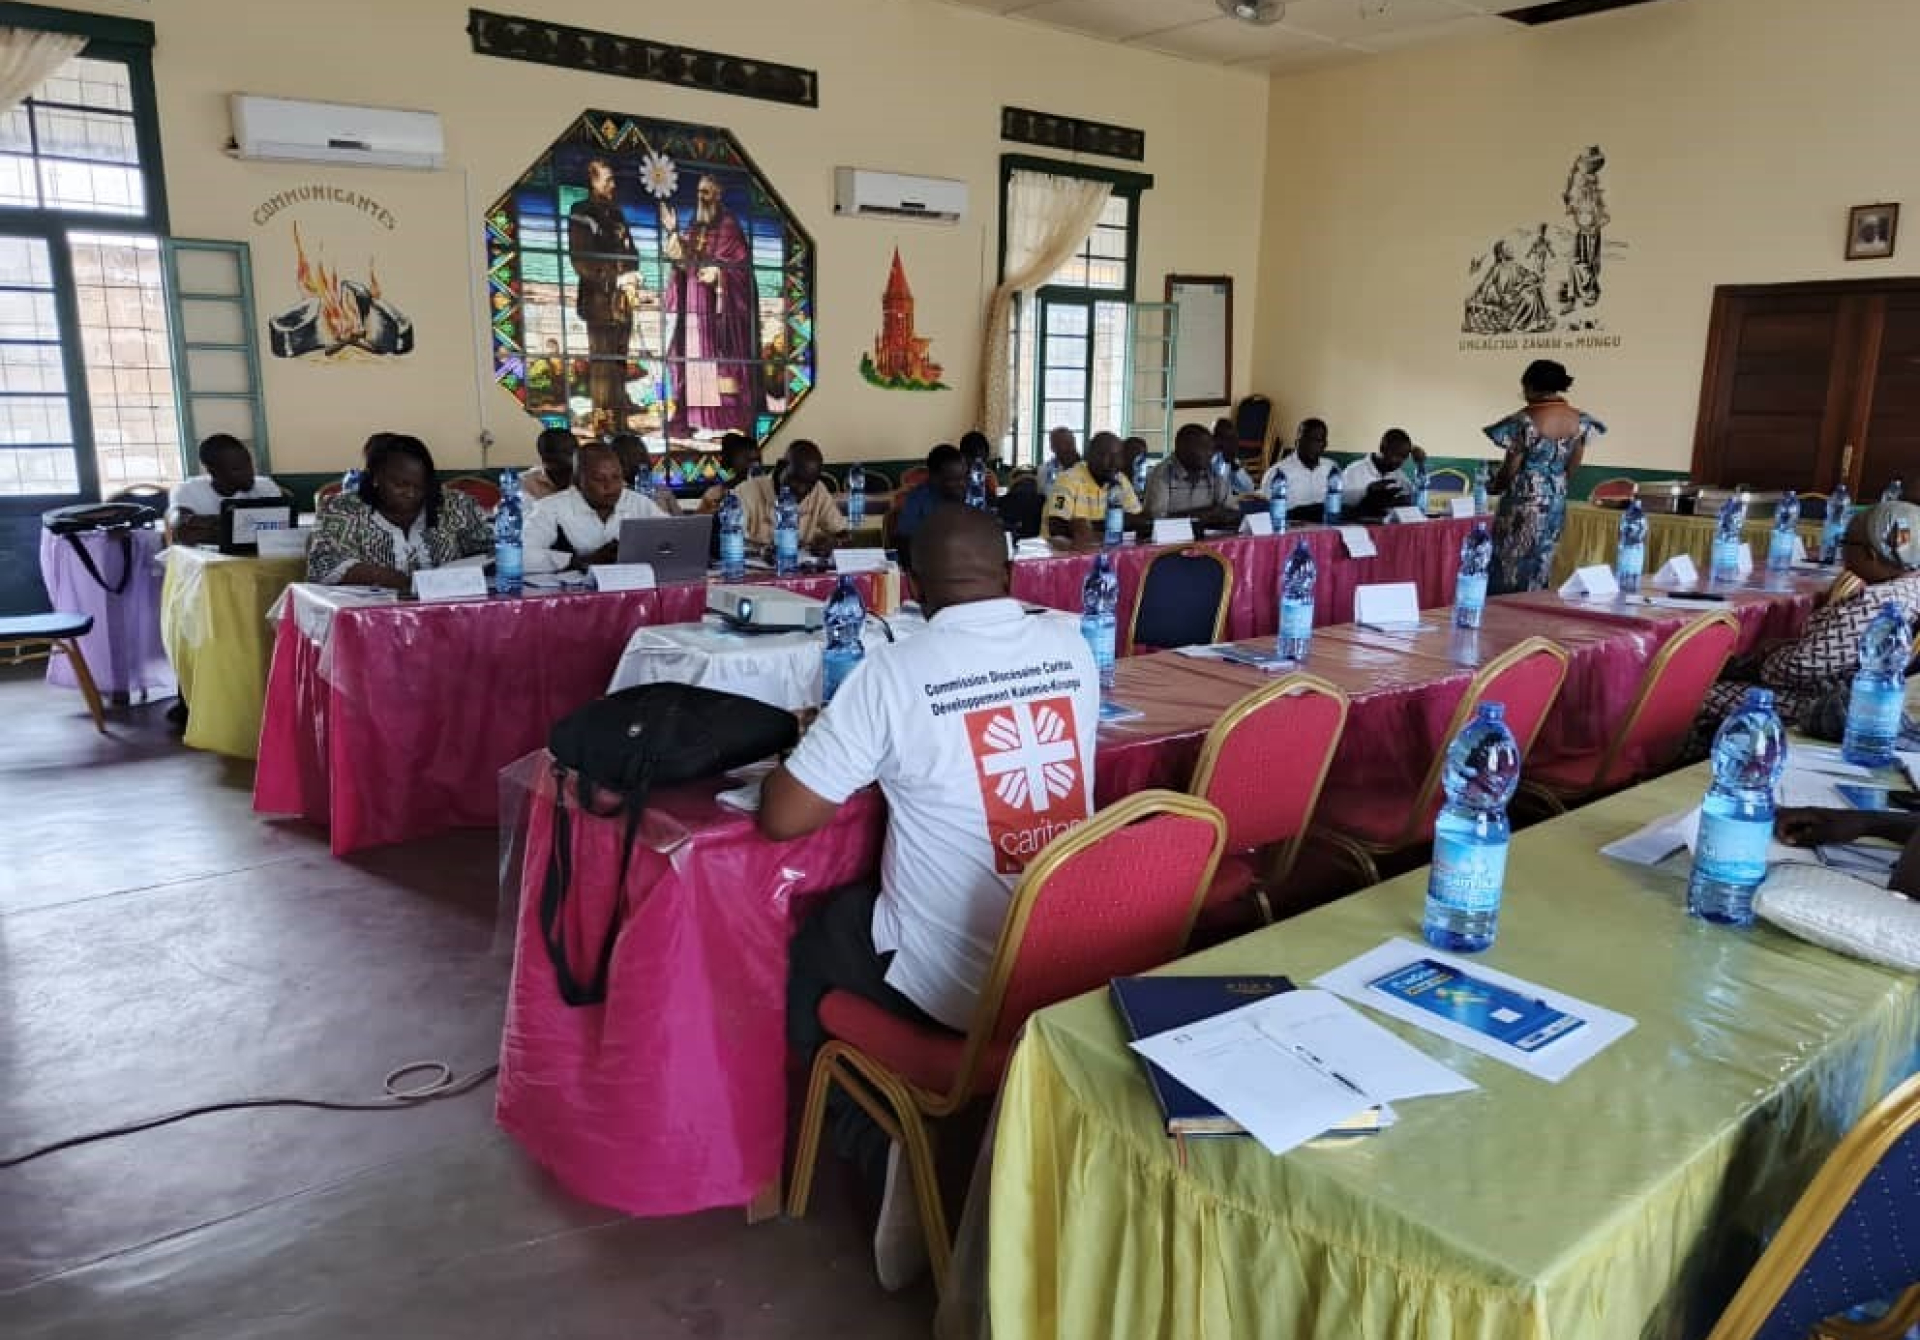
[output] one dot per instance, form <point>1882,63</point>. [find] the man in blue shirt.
<point>946,482</point>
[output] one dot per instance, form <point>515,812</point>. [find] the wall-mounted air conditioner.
<point>888,195</point>
<point>328,132</point>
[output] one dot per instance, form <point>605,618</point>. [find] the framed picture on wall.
<point>1870,231</point>
<point>1203,353</point>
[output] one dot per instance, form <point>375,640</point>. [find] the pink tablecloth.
<point>400,727</point>
<point>123,652</point>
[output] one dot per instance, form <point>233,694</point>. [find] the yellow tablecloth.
<point>213,620</point>
<point>1608,1205</point>
<point>1592,534</point>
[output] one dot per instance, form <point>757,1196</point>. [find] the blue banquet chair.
<point>1183,600</point>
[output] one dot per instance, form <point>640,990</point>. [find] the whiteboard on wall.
<point>1203,358</point>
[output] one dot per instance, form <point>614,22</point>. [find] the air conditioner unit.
<point>888,195</point>
<point>329,132</point>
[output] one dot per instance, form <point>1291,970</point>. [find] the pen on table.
<point>1329,1071</point>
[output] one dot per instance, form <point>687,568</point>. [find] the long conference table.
<point>388,722</point>
<point>670,1097</point>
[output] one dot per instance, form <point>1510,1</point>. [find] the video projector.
<point>765,609</point>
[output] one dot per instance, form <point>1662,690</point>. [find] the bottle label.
<point>1874,710</point>
<point>507,566</point>
<point>1780,549</point>
<point>1116,525</point>
<point>1632,561</point>
<point>1726,558</point>
<point>856,508</point>
<point>1332,507</point>
<point>1470,591</point>
<point>786,547</point>
<point>1296,618</point>
<point>1467,876</point>
<point>836,665</point>
<point>1733,849</point>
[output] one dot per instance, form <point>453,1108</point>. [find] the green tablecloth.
<point>1613,1204</point>
<point>213,620</point>
<point>1592,534</point>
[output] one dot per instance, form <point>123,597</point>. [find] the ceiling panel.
<point>1348,21</point>
<point>1118,20</point>
<point>1226,41</point>
<point>1431,34</point>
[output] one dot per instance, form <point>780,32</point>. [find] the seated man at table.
<point>1077,502</point>
<point>919,717</point>
<point>1226,442</point>
<point>194,509</point>
<point>946,482</point>
<point>1305,469</point>
<point>739,461</point>
<point>1062,455</point>
<point>822,523</point>
<point>1187,485</point>
<point>636,465</point>
<point>555,471</point>
<point>399,521</point>
<point>1377,483</point>
<point>581,526</point>
<point>975,448</point>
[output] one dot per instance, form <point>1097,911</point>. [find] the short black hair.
<point>974,443</point>
<point>802,448</point>
<point>1395,435</point>
<point>555,440</point>
<point>1305,424</point>
<point>1546,376</point>
<point>943,454</point>
<point>220,444</point>
<point>630,442</point>
<point>383,447</point>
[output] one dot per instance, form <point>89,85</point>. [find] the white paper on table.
<point>1033,548</point>
<point>1825,758</point>
<point>622,576</point>
<point>1173,530</point>
<point>1802,788</point>
<point>1651,844</point>
<point>1390,607</point>
<point>1910,764</point>
<point>1292,1073</point>
<point>1461,507</point>
<point>1359,543</point>
<point>1593,582</point>
<point>1256,523</point>
<point>1799,549</point>
<point>1406,515</point>
<point>1203,651</point>
<point>1743,561</point>
<point>1553,1062</point>
<point>871,560</point>
<point>450,583</point>
<point>1677,571</point>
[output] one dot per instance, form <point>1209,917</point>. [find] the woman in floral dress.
<point>1543,443</point>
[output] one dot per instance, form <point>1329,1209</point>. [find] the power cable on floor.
<point>398,1097</point>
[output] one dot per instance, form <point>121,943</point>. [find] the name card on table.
<point>248,522</point>
<point>869,560</point>
<point>468,583</point>
<point>1745,564</point>
<point>284,542</point>
<point>1388,607</point>
<point>1256,523</point>
<point>1359,543</point>
<point>1461,507</point>
<point>1594,582</point>
<point>1401,515</point>
<point>622,576</point>
<point>1173,530</point>
<point>1677,571</point>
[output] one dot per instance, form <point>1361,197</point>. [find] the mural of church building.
<point>901,360</point>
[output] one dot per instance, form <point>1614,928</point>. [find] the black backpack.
<point>117,518</point>
<point>614,751</point>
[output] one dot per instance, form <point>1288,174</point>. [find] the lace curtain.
<point>27,57</point>
<point>1048,218</point>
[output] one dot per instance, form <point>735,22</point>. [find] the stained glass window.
<point>644,276</point>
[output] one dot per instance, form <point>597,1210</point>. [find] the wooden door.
<point>1890,439</point>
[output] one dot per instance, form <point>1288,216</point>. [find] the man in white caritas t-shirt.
<point>980,732</point>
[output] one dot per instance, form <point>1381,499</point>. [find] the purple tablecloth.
<point>123,651</point>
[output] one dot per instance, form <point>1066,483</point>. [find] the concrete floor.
<point>161,947</point>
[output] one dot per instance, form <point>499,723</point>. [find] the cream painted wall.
<point>906,85</point>
<point>1738,133</point>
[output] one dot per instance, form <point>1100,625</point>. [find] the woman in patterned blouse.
<point>399,521</point>
<point>1881,551</point>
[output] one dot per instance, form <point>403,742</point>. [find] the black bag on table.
<point>616,750</point>
<point>116,518</point>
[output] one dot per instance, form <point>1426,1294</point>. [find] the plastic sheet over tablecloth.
<point>782,669</point>
<point>213,619</point>
<point>124,651</point>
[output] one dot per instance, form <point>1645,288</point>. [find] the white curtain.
<point>1048,218</point>
<point>27,57</point>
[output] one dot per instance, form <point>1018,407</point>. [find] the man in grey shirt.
<point>1186,485</point>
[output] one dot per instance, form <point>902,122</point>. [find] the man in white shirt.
<point>580,525</point>
<point>980,732</point>
<point>1377,481</point>
<point>193,510</point>
<point>1305,469</point>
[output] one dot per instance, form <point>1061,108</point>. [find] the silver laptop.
<point>676,546</point>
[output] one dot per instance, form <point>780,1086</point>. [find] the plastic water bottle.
<point>733,538</point>
<point>1786,529</point>
<point>1470,587</point>
<point>1296,604</point>
<point>1480,489</point>
<point>1879,690</point>
<point>350,483</point>
<point>1222,473</point>
<point>1141,466</point>
<point>1422,487</point>
<point>1049,472</point>
<point>1736,818</point>
<point>1116,516</point>
<point>843,620</point>
<point>856,496</point>
<point>508,558</point>
<point>1331,510</point>
<point>1630,559</point>
<point>1893,491</point>
<point>977,487</point>
<point>1727,541</point>
<point>1277,503</point>
<point>1099,596</point>
<point>786,533</point>
<point>1469,871</point>
<point>1838,504</point>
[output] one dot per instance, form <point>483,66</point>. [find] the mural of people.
<point>713,350</point>
<point>1556,287</point>
<point>606,263</point>
<point>1508,299</point>
<point>1587,206</point>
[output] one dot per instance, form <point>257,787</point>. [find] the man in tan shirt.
<point>822,524</point>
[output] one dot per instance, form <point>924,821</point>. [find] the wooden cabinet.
<point>1808,383</point>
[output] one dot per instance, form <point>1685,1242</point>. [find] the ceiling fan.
<point>1257,12</point>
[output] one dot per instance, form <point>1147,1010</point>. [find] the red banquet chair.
<point>1115,896</point>
<point>1656,726</point>
<point>482,491</point>
<point>1268,808</point>
<point>1370,826</point>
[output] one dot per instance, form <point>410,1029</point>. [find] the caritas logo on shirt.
<point>1028,763</point>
